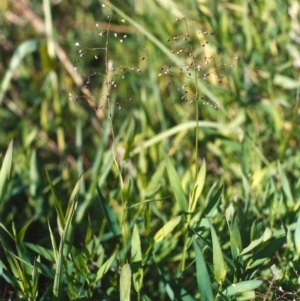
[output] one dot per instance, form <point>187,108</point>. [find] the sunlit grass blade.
<point>242,287</point>
<point>58,279</point>
<point>176,185</point>
<point>125,282</point>
<point>189,125</point>
<point>266,236</point>
<point>198,187</point>
<point>105,267</point>
<point>136,260</point>
<point>5,171</point>
<point>167,229</point>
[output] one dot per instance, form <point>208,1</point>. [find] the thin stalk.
<point>185,244</point>
<point>114,151</point>
<point>114,147</point>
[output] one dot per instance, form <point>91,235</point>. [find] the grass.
<point>131,169</point>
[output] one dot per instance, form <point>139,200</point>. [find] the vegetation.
<point>150,150</point>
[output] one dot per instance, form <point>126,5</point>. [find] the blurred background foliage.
<point>250,144</point>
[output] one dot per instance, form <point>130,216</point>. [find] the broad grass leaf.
<point>286,82</point>
<point>155,180</point>
<point>105,267</point>
<point>218,259</point>
<point>136,259</point>
<point>176,185</point>
<point>198,187</point>
<point>167,228</point>
<point>267,252</point>
<point>235,238</point>
<point>80,261</point>
<point>23,281</point>
<point>266,236</point>
<point>5,171</point>
<point>45,253</point>
<point>213,203</point>
<point>203,280</point>
<point>241,287</point>
<point>125,282</point>
<point>257,228</point>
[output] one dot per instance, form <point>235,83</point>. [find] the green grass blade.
<point>242,287</point>
<point>57,205</point>
<point>203,280</point>
<point>43,252</point>
<point>66,240</point>
<point>125,282</point>
<point>268,251</point>
<point>220,268</point>
<point>136,259</point>
<point>35,277</point>
<point>53,242</point>
<point>167,228</point>
<point>285,183</point>
<point>198,187</point>
<point>220,127</point>
<point>109,214</point>
<point>213,203</point>
<point>176,185</point>
<point>5,171</point>
<point>266,236</point>
<point>80,262</point>
<point>57,285</point>
<point>24,49</point>
<point>235,238</point>
<point>105,267</point>
<point>23,230</point>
